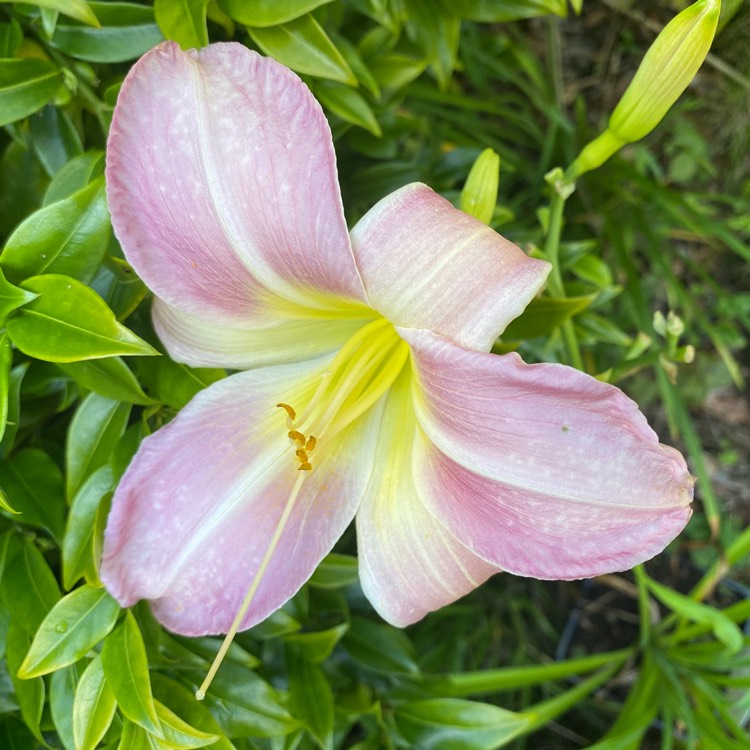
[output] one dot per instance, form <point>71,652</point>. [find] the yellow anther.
<point>305,467</point>
<point>288,409</point>
<point>311,443</point>
<point>297,437</point>
<point>301,455</point>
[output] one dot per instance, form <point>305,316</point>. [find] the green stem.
<point>644,609</point>
<point>552,253</point>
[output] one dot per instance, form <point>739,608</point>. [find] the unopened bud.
<point>675,326</point>
<point>668,67</point>
<point>479,196</point>
<point>660,323</point>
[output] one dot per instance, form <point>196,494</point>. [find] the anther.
<point>301,455</point>
<point>305,466</point>
<point>297,437</point>
<point>311,443</point>
<point>288,409</point>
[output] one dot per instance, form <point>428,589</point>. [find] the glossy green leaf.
<point>109,377</point>
<point>380,646</point>
<point>435,30</point>
<point>62,690</point>
<point>28,586</point>
<point>117,284</point>
<point>68,237</point>
<point>6,360</point>
<point>54,138</point>
<point>11,36</point>
<point>26,85</point>
<point>78,544</point>
<point>29,693</point>
<point>93,707</point>
<point>174,384</point>
<point>178,733</point>
<point>78,9</point>
<point>183,21</point>
<point>14,407</point>
<point>463,725</point>
<point>244,704</point>
<point>74,176</point>
<point>335,571</point>
<point>543,315</point>
<point>128,30</point>
<point>94,432</point>
<point>126,669</point>
<point>70,322</point>
<point>303,46</point>
<point>262,13</point>
<point>134,737</point>
<point>12,297</point>
<point>350,105</point>
<point>310,696</point>
<point>395,70</point>
<point>34,485</point>
<point>318,645</point>
<point>498,11</point>
<point>72,628</point>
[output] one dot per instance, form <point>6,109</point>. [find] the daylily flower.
<point>366,383</point>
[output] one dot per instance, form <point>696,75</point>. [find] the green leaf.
<point>348,104</point>
<point>30,694</point>
<point>28,586</point>
<point>174,384</point>
<point>499,11</point>
<point>303,46</point>
<point>70,322</point>
<point>34,485</point>
<point>128,31</point>
<point>6,360</point>
<point>117,284</point>
<point>78,544</point>
<point>54,138</point>
<point>62,690</point>
<point>335,571</point>
<point>72,628</point>
<point>78,9</point>
<point>394,70</point>
<point>68,237</point>
<point>183,21</point>
<point>262,13</point>
<point>310,696</point>
<point>11,37</point>
<point>723,628</point>
<point>134,737</point>
<point>94,432</point>
<point>12,297</point>
<point>436,32</point>
<point>459,724</point>
<point>317,646</point>
<point>543,315</point>
<point>380,646</point>
<point>14,407</point>
<point>178,733</point>
<point>93,707</point>
<point>126,669</point>
<point>26,85</point>
<point>109,377</point>
<point>74,176</point>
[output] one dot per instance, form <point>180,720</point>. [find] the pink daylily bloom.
<point>366,387</point>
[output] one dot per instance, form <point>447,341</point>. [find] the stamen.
<point>311,443</point>
<point>200,693</point>
<point>288,409</point>
<point>307,466</point>
<point>301,455</point>
<point>296,437</point>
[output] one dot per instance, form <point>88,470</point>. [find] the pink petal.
<point>202,343</point>
<point>540,469</point>
<point>194,514</point>
<point>409,564</point>
<point>222,184</point>
<point>425,264</point>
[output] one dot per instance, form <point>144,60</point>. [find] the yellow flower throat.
<point>362,371</point>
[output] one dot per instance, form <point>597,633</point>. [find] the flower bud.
<point>667,68</point>
<point>479,196</point>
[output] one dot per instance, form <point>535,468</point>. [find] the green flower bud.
<point>479,196</point>
<point>667,68</point>
<point>664,73</point>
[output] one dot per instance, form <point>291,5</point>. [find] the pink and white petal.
<point>409,564</point>
<point>547,448</point>
<point>222,184</point>
<point>201,343</point>
<point>195,512</point>
<point>425,264</point>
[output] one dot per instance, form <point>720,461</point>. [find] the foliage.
<point>414,90</point>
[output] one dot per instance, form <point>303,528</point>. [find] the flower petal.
<point>200,343</point>
<point>541,469</point>
<point>195,513</point>
<point>425,264</point>
<point>409,564</point>
<point>222,184</point>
